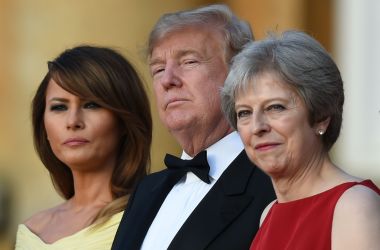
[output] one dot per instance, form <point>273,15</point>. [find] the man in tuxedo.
<point>189,53</point>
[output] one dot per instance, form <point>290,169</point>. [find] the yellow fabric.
<point>100,238</point>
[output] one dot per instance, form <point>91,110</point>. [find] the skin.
<point>189,67</point>
<point>80,132</point>
<point>356,223</point>
<point>272,122</point>
<point>85,137</point>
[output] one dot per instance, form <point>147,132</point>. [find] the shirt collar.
<point>221,154</point>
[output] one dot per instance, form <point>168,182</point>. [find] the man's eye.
<point>157,71</point>
<point>58,107</point>
<point>91,105</point>
<point>190,61</point>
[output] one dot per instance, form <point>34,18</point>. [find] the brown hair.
<point>105,76</point>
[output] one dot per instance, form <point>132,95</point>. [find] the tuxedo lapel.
<point>141,213</point>
<point>225,201</point>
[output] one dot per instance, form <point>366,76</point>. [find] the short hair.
<point>105,76</point>
<point>300,61</point>
<point>236,32</point>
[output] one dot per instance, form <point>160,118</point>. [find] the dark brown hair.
<point>106,77</point>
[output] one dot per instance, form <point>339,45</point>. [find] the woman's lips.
<point>266,146</point>
<point>75,141</point>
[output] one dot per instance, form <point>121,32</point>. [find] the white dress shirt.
<point>188,192</point>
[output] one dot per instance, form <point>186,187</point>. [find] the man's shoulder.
<point>157,174</point>
<point>154,177</point>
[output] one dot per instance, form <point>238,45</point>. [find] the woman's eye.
<point>58,107</point>
<point>243,113</point>
<point>91,105</point>
<point>276,107</point>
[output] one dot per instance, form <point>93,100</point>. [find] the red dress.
<point>303,224</point>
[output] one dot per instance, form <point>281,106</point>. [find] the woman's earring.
<point>321,132</point>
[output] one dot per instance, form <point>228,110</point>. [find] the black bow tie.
<point>198,165</point>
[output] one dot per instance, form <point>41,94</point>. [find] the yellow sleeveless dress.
<point>100,238</point>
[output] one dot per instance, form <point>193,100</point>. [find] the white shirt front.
<point>188,192</point>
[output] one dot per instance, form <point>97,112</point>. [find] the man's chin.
<point>177,125</point>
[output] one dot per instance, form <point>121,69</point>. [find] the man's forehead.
<point>177,52</point>
<point>186,32</point>
<point>184,42</point>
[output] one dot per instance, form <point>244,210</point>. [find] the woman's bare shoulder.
<point>39,220</point>
<point>265,212</point>
<point>361,198</point>
<point>356,223</point>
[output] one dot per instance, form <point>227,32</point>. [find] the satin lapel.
<point>225,201</point>
<point>140,215</point>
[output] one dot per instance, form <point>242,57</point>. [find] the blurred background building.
<point>35,31</point>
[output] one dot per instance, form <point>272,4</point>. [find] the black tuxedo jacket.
<point>226,218</point>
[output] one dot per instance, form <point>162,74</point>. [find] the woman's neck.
<point>310,181</point>
<point>91,189</point>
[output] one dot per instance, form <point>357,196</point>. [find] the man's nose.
<point>171,77</point>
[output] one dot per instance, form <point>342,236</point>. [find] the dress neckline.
<point>315,196</point>
<point>74,235</point>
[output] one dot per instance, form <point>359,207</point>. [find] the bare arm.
<point>265,212</point>
<point>356,221</point>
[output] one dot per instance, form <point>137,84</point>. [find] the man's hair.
<point>236,32</point>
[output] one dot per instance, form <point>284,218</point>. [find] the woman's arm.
<point>356,221</point>
<point>265,212</point>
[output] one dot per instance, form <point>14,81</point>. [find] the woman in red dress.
<point>285,97</point>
